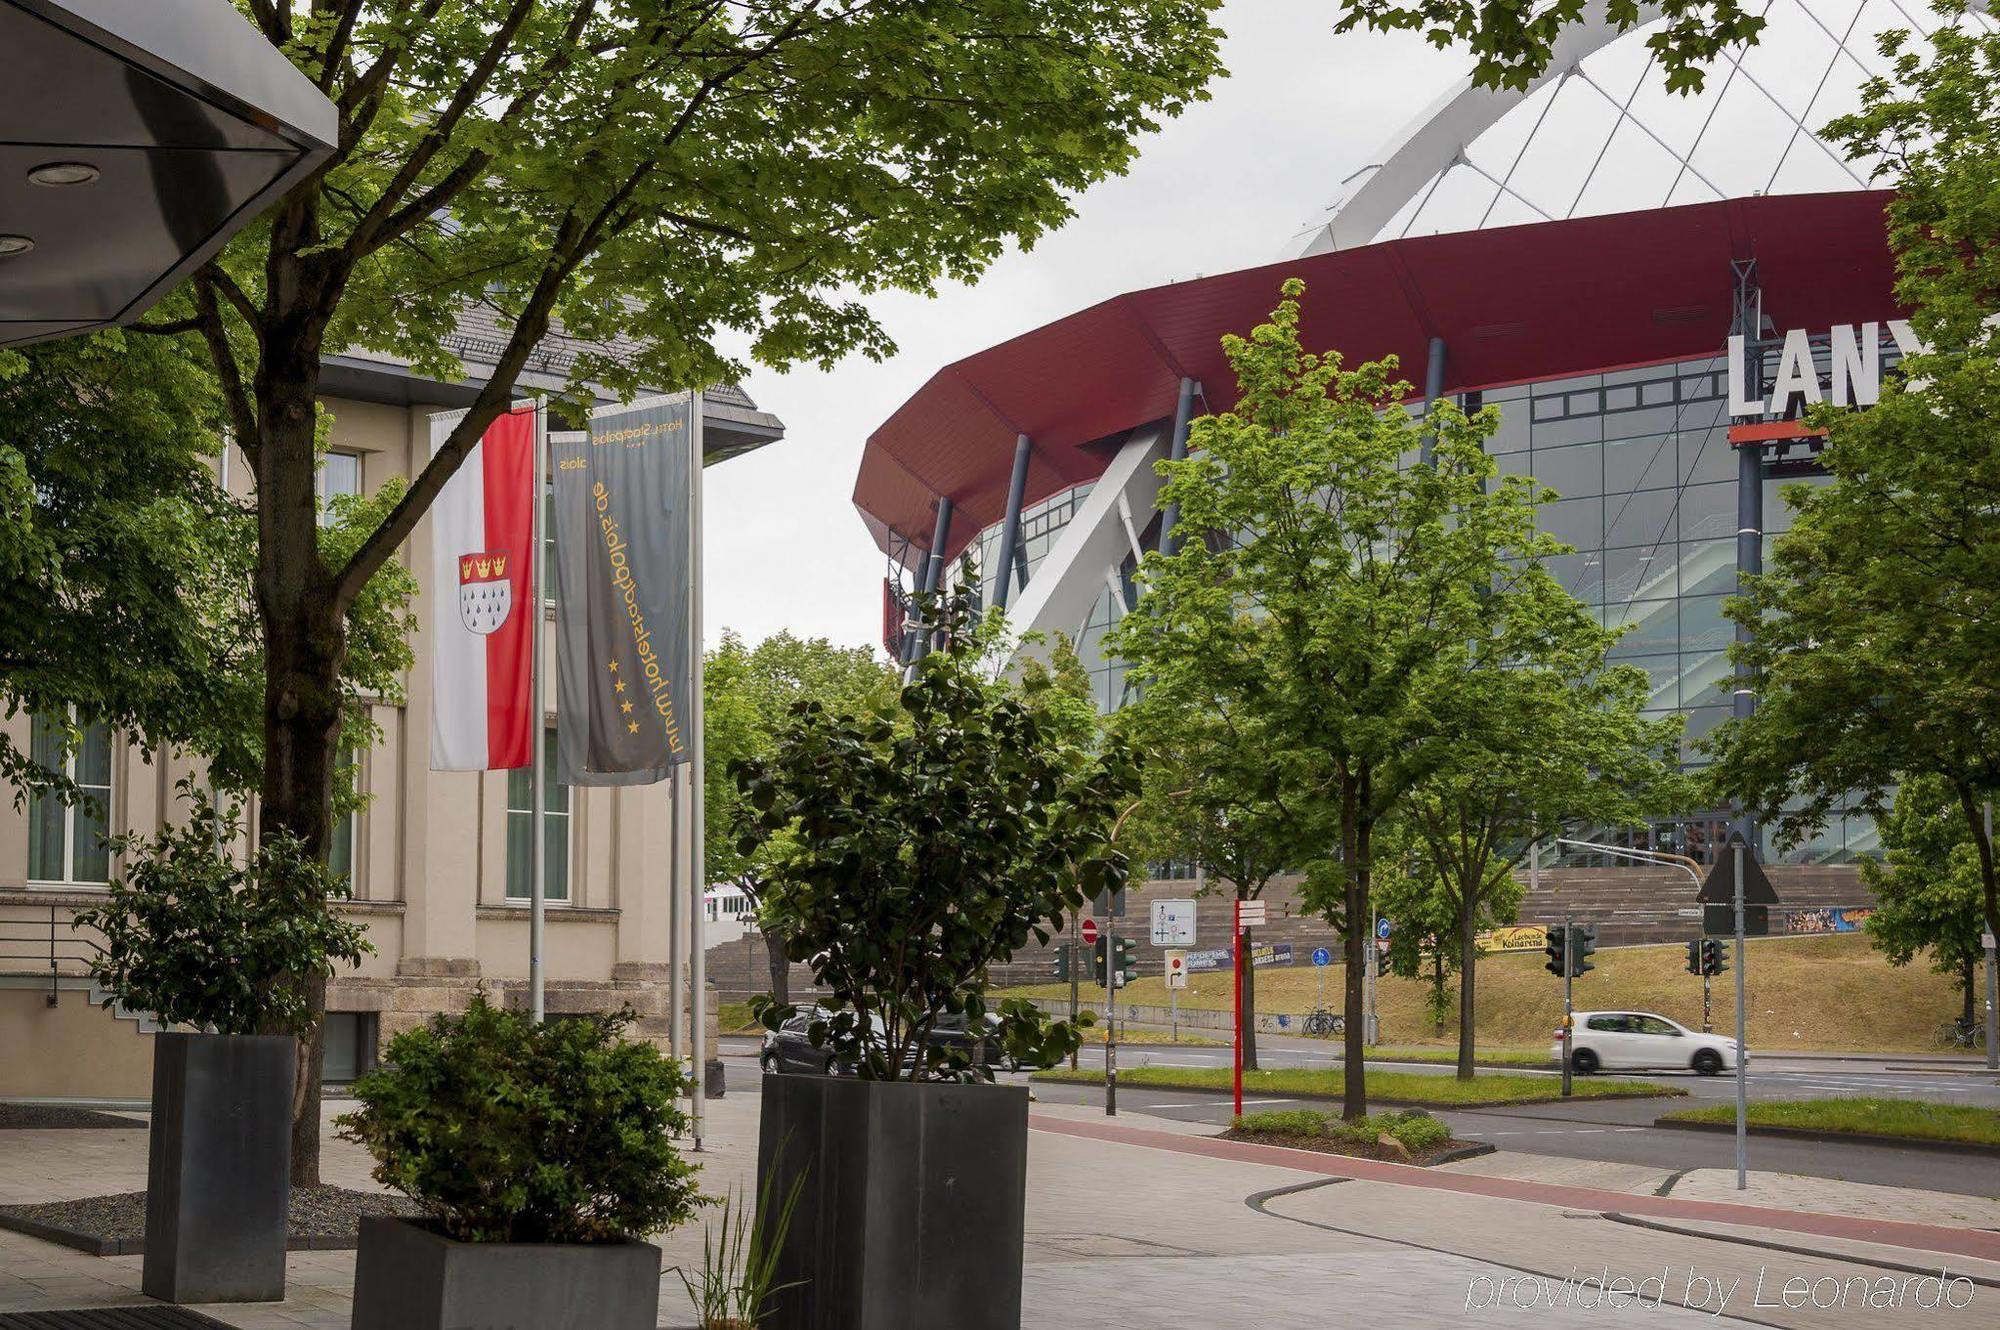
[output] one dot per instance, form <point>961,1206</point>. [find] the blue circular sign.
<point>1381,928</point>
<point>1321,956</point>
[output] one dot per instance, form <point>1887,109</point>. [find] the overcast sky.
<point>1224,186</point>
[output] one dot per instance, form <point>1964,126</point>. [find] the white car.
<point>1639,1039</point>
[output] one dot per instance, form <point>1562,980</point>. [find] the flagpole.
<point>697,813</point>
<point>538,794</point>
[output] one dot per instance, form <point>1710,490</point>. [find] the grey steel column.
<point>1749,506</point>
<point>1433,390</point>
<point>1176,452</point>
<point>1010,525</point>
<point>933,577</point>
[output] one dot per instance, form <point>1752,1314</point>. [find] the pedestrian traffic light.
<point>1714,956</point>
<point>1556,948</point>
<point>1582,943</point>
<point>1097,960</point>
<point>1063,961</point>
<point>1127,965</point>
<point>1697,961</point>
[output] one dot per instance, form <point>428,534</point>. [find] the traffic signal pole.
<point>1075,979</point>
<point>1742,1062</point>
<point>1569,1003</point>
<point>1110,1015</point>
<point>1236,1025</point>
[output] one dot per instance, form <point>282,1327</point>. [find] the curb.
<point>91,1245</point>
<point>1388,1100</point>
<point>1839,1137</point>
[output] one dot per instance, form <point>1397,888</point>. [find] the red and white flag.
<point>482,597</point>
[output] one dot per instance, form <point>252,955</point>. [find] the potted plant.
<point>541,1155</point>
<point>921,852</point>
<point>223,951</point>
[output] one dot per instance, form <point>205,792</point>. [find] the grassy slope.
<point>1804,993</point>
<point>1403,1087</point>
<point>1871,1116</point>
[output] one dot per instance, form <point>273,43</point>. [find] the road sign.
<point>1720,920</point>
<point>1250,914</point>
<point>1720,886</point>
<point>1382,929</point>
<point>1382,945</point>
<point>1177,970</point>
<point>1321,956</point>
<point>1986,941</point>
<point>1109,904</point>
<point>1173,923</point>
<point>1089,932</point>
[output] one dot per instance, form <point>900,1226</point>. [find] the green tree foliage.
<point>1562,743</point>
<point>1876,631</point>
<point>1423,941</point>
<point>749,693</point>
<point>194,938</point>
<point>660,179</point>
<point>924,853</point>
<point>1361,570</point>
<point>1927,886</point>
<point>504,1130</point>
<point>1514,40</point>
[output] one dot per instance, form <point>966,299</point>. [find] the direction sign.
<point>1720,886</point>
<point>1382,929</point>
<point>1177,969</point>
<point>1382,945</point>
<point>1173,923</point>
<point>1089,932</point>
<point>1250,914</point>
<point>1321,956</point>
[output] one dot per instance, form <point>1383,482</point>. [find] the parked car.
<point>790,1046</point>
<point>1640,1039</point>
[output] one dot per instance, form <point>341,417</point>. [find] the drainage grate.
<point>113,1318</point>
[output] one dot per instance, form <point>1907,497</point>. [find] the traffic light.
<point>1097,961</point>
<point>1582,943</point>
<point>1127,966</point>
<point>1697,962</point>
<point>1714,956</point>
<point>1063,951</point>
<point>1555,949</point>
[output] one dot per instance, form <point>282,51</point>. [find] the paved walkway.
<point>1145,1223</point>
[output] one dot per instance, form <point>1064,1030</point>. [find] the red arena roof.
<point>1512,304</point>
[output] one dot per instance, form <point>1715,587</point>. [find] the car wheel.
<point>1583,1062</point>
<point>1708,1062</point>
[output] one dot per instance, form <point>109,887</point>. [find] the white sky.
<point>1224,186</point>
<point>1229,185</point>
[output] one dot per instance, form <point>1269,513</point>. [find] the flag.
<point>624,654</point>
<point>482,598</point>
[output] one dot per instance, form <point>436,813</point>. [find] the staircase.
<point>1634,906</point>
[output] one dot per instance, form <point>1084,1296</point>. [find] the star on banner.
<point>632,726</point>
<point>612,666</point>
<point>625,707</point>
<point>619,686</point>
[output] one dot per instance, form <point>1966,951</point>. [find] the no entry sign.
<point>1089,932</point>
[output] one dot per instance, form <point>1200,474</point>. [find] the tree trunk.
<point>1968,983</point>
<point>1248,1016</point>
<point>1468,967</point>
<point>1354,952</point>
<point>1437,983</point>
<point>305,642</point>
<point>781,968</point>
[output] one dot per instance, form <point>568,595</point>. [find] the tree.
<point>1876,633</point>
<point>1208,799</point>
<point>925,853</point>
<point>749,693</point>
<point>1514,40</point>
<point>1357,569</point>
<point>1926,886</point>
<point>1563,743</point>
<point>652,177</point>
<point>1410,895</point>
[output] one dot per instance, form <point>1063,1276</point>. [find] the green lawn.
<point>1486,1057</point>
<point>1869,1116</point>
<point>1402,1087</point>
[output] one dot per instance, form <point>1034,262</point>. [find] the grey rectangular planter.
<point>411,1277</point>
<point>218,1167</point>
<point>912,1210</point>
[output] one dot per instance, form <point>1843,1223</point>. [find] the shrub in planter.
<point>540,1155</point>
<point>919,854</point>
<point>199,940</point>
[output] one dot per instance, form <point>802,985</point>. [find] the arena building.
<point>1649,362</point>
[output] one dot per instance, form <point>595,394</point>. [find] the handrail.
<point>27,940</point>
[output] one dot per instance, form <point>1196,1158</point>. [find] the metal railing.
<point>40,943</point>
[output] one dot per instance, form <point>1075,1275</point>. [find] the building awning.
<point>138,138</point>
<point>1512,304</point>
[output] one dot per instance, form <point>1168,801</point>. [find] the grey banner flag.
<point>624,673</point>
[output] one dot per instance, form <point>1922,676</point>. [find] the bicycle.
<point>1320,1022</point>
<point>1962,1034</point>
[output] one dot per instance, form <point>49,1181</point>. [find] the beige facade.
<point>429,851</point>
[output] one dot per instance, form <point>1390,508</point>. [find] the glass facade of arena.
<point>1647,478</point>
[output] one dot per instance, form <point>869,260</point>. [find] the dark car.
<point>790,1046</point>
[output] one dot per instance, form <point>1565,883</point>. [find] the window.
<point>339,473</point>
<point>66,843</point>
<point>555,830</point>
<point>351,1041</point>
<point>340,851</point>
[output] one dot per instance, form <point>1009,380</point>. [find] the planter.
<point>218,1167</point>
<point>912,1207</point>
<point>408,1276</point>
